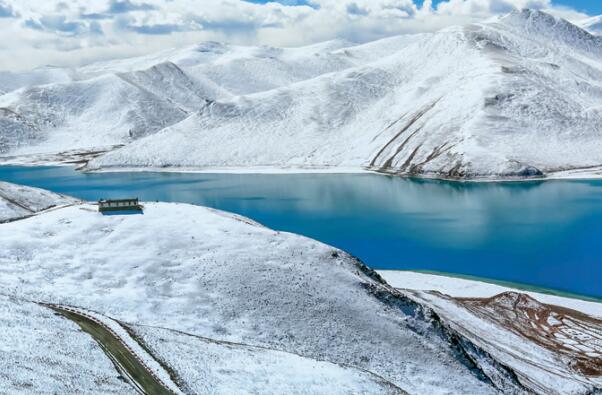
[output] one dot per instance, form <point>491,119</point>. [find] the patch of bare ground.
<point>574,336</point>
<point>70,157</point>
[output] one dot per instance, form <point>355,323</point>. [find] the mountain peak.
<point>533,18</point>
<point>536,23</point>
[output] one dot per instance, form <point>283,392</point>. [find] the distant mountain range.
<point>517,96</point>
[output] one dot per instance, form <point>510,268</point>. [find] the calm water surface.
<point>547,234</point>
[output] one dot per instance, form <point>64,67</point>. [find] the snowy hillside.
<point>516,96</point>
<point>17,201</point>
<point>226,278</point>
<point>41,353</point>
<point>221,302</point>
<point>555,339</point>
<point>208,366</point>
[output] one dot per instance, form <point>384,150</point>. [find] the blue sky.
<point>592,7</point>
<point>588,6</point>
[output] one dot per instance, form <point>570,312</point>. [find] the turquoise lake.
<point>547,234</point>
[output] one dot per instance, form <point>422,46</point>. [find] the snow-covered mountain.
<point>515,96</point>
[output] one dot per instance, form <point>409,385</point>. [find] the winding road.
<point>127,362</point>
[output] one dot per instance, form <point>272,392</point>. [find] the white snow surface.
<point>42,353</point>
<point>511,97</point>
<point>17,201</point>
<point>205,366</point>
<point>464,288</point>
<point>227,278</point>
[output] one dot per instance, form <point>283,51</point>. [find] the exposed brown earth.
<point>574,336</point>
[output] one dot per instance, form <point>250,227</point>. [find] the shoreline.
<point>466,286</point>
<point>507,284</point>
<point>582,174</point>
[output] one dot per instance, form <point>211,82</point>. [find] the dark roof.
<point>117,200</point>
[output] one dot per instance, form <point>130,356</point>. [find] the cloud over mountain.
<point>38,33</point>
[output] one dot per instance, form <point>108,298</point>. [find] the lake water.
<point>547,234</point>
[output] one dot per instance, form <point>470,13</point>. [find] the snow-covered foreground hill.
<point>17,201</point>
<point>225,303</point>
<point>516,96</point>
<point>219,276</point>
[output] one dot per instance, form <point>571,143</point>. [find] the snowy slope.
<point>556,350</point>
<point>206,366</point>
<point>101,111</point>
<point>227,304</point>
<point>555,347</point>
<point>224,277</point>
<point>41,353</point>
<point>17,201</point>
<point>242,70</point>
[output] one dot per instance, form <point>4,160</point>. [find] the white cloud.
<point>488,7</point>
<point>79,31</point>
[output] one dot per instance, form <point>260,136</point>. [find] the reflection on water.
<point>543,233</point>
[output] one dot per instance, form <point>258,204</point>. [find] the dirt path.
<point>125,359</point>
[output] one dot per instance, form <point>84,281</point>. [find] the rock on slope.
<point>515,96</point>
<point>17,201</point>
<point>226,278</point>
